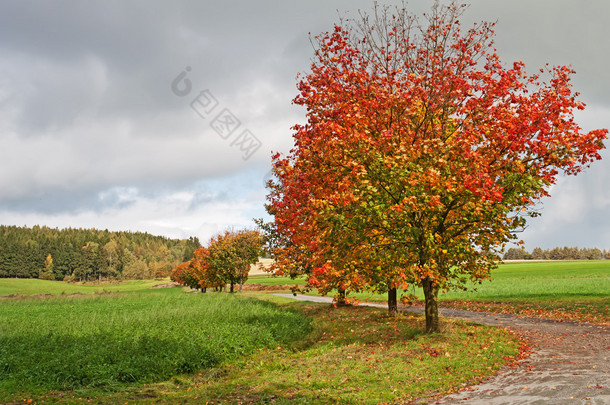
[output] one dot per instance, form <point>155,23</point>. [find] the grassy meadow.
<point>561,290</point>
<point>572,290</point>
<point>129,343</point>
<point>104,340</point>
<point>540,281</point>
<point>141,345</point>
<point>28,287</point>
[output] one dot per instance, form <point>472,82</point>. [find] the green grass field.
<point>21,286</point>
<point>170,346</point>
<point>543,281</point>
<point>73,342</point>
<point>555,289</point>
<point>117,343</point>
<point>522,280</point>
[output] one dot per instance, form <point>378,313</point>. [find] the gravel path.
<point>569,364</point>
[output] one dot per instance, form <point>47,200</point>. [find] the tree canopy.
<point>422,155</point>
<point>226,260</point>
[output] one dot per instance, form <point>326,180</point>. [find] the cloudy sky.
<point>108,109</point>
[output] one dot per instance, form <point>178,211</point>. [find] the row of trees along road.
<point>226,260</point>
<point>88,254</point>
<point>421,157</point>
<point>557,253</point>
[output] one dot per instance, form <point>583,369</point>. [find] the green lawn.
<point>171,346</point>
<point>24,286</point>
<point>521,281</point>
<point>543,281</point>
<point>557,289</point>
<point>71,342</point>
<point>561,290</point>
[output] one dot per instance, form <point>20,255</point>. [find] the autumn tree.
<point>423,154</point>
<point>203,272</point>
<point>111,255</point>
<point>197,272</point>
<point>47,272</point>
<point>183,274</point>
<point>232,253</point>
<point>134,268</point>
<point>289,259</point>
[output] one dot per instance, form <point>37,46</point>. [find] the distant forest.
<point>88,254</point>
<point>563,253</point>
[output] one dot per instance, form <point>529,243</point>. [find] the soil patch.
<point>18,296</point>
<point>166,285</point>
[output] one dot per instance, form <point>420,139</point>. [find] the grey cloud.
<point>87,112</point>
<point>559,32</point>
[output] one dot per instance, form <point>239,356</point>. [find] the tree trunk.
<point>231,290</point>
<point>431,297</point>
<point>392,302</point>
<point>341,297</point>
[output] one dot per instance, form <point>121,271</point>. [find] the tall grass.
<point>105,340</point>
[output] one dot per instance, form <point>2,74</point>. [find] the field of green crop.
<point>172,346</point>
<point>543,281</point>
<point>550,280</point>
<point>101,340</point>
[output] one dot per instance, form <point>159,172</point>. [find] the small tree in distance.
<point>232,253</point>
<point>183,274</point>
<point>226,260</point>
<point>422,154</point>
<point>205,276</point>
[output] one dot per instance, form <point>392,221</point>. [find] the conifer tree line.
<point>88,254</point>
<point>557,253</point>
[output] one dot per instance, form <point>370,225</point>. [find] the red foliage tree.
<point>207,277</point>
<point>183,274</point>
<point>197,272</point>
<point>227,260</point>
<point>422,154</point>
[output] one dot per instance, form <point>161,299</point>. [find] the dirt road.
<point>569,364</point>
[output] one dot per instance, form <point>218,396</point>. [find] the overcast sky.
<point>108,109</point>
